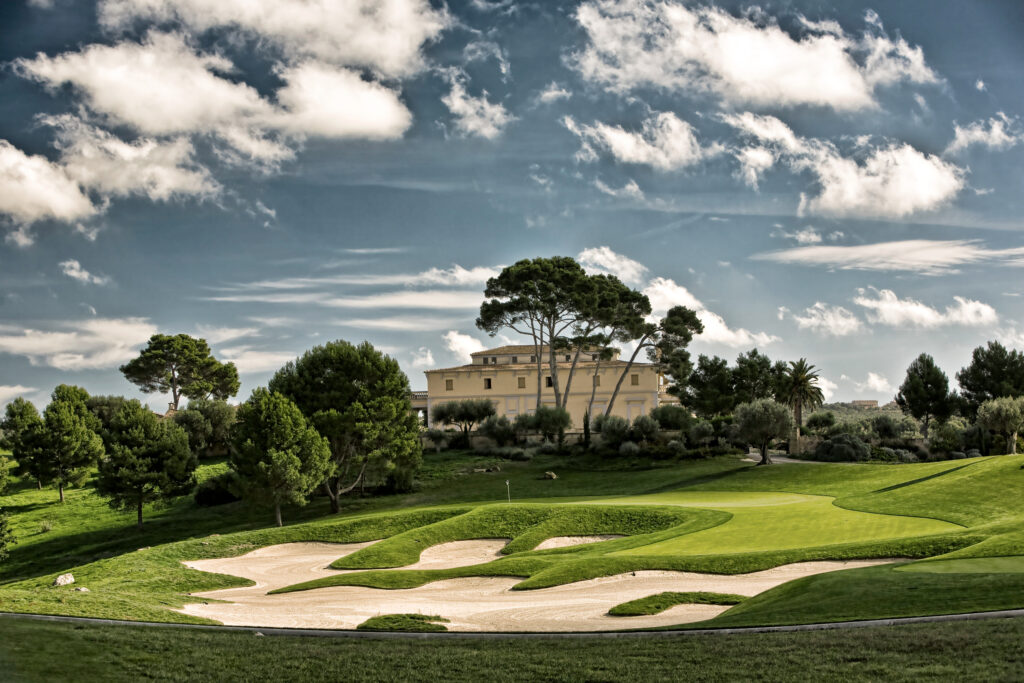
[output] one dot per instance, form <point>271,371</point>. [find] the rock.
<point>258,634</point>
<point>550,475</point>
<point>64,580</point>
<point>479,470</point>
<point>81,589</point>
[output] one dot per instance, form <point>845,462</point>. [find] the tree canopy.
<point>993,372</point>
<point>762,421</point>
<point>22,433</point>
<point>924,394</point>
<point>709,391</point>
<point>207,422</point>
<point>753,377</point>
<point>182,366</point>
<point>1004,415</point>
<point>68,441</point>
<point>465,413</point>
<point>801,390</point>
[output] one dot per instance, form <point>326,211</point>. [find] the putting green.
<point>972,565</point>
<point>763,521</point>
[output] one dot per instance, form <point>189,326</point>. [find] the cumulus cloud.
<point>553,92</point>
<point>828,388</point>
<point>385,36</point>
<point>249,360</point>
<point>928,257</point>
<point>422,358</point>
<point>665,293</point>
<point>475,116</point>
<point>84,345</point>
<point>828,321</point>
<point>628,191</point>
<point>999,132</point>
<point>74,270</point>
<point>604,260</point>
<point>32,188</point>
<point>664,142</point>
<point>742,60</point>
<point>886,308</point>
<point>875,383</point>
<point>462,345</point>
<point>806,235</point>
<point>891,180</point>
<point>9,392</point>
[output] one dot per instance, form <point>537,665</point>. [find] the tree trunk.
<point>924,426</point>
<point>568,380</point>
<point>39,483</point>
<point>1013,443</point>
<point>622,377</point>
<point>553,366</point>
<point>60,489</point>
<point>277,514</point>
<point>329,490</point>
<point>593,387</point>
<point>138,523</point>
<point>766,459</point>
<point>798,410</point>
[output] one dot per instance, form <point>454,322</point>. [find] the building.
<point>507,376</point>
<point>864,404</point>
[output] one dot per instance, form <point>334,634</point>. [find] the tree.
<point>710,388</point>
<point>1005,416</point>
<point>498,429</point>
<point>551,422</point>
<point>22,430</point>
<point>183,366</point>
<point>701,433</point>
<point>208,425</point>
<point>819,423</point>
<point>6,537</point>
<point>994,372</point>
<point>924,393</point>
<point>752,378</point>
<point>148,459</point>
<point>279,458</point>
<point>68,438</point>
<point>802,391</point>
<point>622,320</point>
<point>762,421</point>
<point>358,398</point>
<point>465,413</point>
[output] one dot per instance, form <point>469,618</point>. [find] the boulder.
<point>64,580</point>
<point>550,475</point>
<point>81,589</point>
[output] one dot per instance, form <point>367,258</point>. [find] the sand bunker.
<point>568,541</point>
<point>472,604</point>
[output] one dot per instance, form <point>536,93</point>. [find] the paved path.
<point>327,633</point>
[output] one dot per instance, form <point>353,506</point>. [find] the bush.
<point>672,417</point>
<point>906,456</point>
<point>885,427</point>
<point>218,490</point>
<point>701,434</point>
<point>945,438</point>
<point>548,448</point>
<point>820,423</point>
<point>629,449</point>
<point>972,453</point>
<point>439,438</point>
<point>884,454</point>
<point>842,448</point>
<point>645,429</point>
<point>551,422</point>
<point>499,429</point>
<point>614,430</point>
<point>957,455</point>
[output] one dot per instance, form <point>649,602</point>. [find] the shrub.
<point>614,430</point>
<point>842,448</point>
<point>499,429</point>
<point>645,429</point>
<point>548,448</point>
<point>905,456</point>
<point>882,453</point>
<point>945,438</point>
<point>957,455</point>
<point>218,490</point>
<point>885,427</point>
<point>512,453</point>
<point>973,453</point>
<point>551,422</point>
<point>701,434</point>
<point>820,423</point>
<point>629,449</point>
<point>439,438</point>
<point>672,417</point>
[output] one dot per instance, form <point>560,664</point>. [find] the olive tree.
<point>1005,416</point>
<point>465,413</point>
<point>762,421</point>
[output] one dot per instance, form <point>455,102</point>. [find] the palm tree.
<point>801,390</point>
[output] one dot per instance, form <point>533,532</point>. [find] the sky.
<point>839,184</point>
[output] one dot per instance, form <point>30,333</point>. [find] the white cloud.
<point>74,270</point>
<point>9,392</point>
<point>999,132</point>
<point>422,358</point>
<point>885,308</point>
<point>604,260</point>
<point>462,345</point>
<point>216,335</point>
<point>828,321</point>
<point>928,257</point>
<point>630,190</point>
<point>32,188</point>
<point>887,181</point>
<point>400,323</point>
<point>828,388</point>
<point>553,92</point>
<point>754,162</point>
<point>482,50</point>
<point>249,360</point>
<point>874,383</point>
<point>454,276</point>
<point>664,142</point>
<point>385,36</point>
<point>979,85</point>
<point>84,345</point>
<point>748,59</point>
<point>665,293</point>
<point>475,115</point>
<point>423,299</point>
<point>20,237</point>
<point>806,235</point>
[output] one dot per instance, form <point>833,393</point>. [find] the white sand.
<point>567,541</point>
<point>472,604</point>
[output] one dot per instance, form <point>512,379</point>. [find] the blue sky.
<point>838,184</point>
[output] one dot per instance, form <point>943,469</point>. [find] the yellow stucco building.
<point>507,376</point>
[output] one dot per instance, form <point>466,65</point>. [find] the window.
<point>487,382</point>
<point>522,382</point>
<point>597,380</point>
<point>515,359</point>
<point>494,360</point>
<point>593,356</point>
<point>634,380</point>
<point>485,360</point>
<point>533,359</point>
<point>568,357</point>
<point>449,384</point>
<point>548,382</point>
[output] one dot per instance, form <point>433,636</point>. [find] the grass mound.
<point>419,623</point>
<point>656,604</point>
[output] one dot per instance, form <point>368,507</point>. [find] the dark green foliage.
<point>358,399</point>
<point>614,430</point>
<point>68,443</point>
<point>672,417</point>
<point>886,427</point>
<point>498,429</point>
<point>945,438</point>
<point>753,378</point>
<point>439,438</point>
<point>218,490</point>
<point>105,408</point>
<point>709,391</point>
<point>278,457</point>
<point>645,429</point>
<point>994,372</point>
<point>842,448</point>
<point>208,424</point>
<point>21,432</point>
<point>148,459</point>
<point>656,604</point>
<point>821,423</point>
<point>701,434</point>
<point>417,623</point>
<point>586,430</point>
<point>801,390</point>
<point>924,394</point>
<point>6,536</point>
<point>761,422</point>
<point>465,413</point>
<point>551,422</point>
<point>182,366</point>
<point>5,470</point>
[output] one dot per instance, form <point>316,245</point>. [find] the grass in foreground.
<point>981,650</point>
<point>420,623</point>
<point>656,604</point>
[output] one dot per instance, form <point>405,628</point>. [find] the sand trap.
<point>568,541</point>
<point>472,604</point>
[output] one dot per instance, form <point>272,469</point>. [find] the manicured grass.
<point>656,604</point>
<point>974,651</point>
<point>420,623</point>
<point>981,565</point>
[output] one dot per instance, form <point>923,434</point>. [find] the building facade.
<point>507,376</point>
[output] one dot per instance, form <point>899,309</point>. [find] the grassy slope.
<point>34,651</point>
<point>659,602</point>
